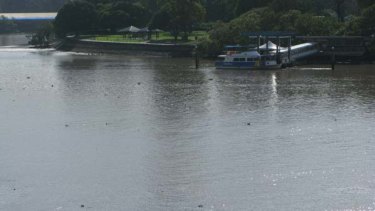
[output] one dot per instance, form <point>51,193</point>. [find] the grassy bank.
<point>163,37</point>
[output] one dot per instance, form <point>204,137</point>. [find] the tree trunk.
<point>340,15</point>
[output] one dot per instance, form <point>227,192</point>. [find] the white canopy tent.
<point>130,29</point>
<point>271,46</point>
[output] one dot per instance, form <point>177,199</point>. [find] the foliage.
<point>75,17</point>
<point>42,37</point>
<point>243,6</point>
<point>365,3</point>
<point>179,16</point>
<point>120,14</point>
<point>367,21</point>
<point>308,24</point>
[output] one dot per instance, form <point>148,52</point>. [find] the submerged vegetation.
<point>223,20</point>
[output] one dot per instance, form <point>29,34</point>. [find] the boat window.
<point>242,59</point>
<point>236,59</point>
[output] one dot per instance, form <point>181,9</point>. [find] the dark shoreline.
<point>100,47</point>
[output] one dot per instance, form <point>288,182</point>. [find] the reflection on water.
<point>133,133</point>
<point>13,39</point>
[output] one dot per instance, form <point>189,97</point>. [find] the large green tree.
<point>243,6</point>
<point>179,16</point>
<point>77,16</point>
<point>365,3</point>
<point>122,14</point>
<point>367,21</point>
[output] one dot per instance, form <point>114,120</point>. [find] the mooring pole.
<point>289,49</point>
<point>196,54</point>
<point>196,58</point>
<point>278,50</point>
<point>258,44</point>
<point>333,58</point>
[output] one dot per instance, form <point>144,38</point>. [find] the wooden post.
<point>333,58</point>
<point>289,50</point>
<point>196,57</point>
<point>278,50</point>
<point>258,44</point>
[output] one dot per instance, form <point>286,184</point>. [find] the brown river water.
<point>89,132</point>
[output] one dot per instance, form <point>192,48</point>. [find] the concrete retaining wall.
<point>89,46</point>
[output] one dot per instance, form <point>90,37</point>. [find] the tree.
<point>284,5</point>
<point>120,14</point>
<point>180,16</point>
<point>365,3</point>
<point>75,17</point>
<point>309,24</point>
<point>339,9</point>
<point>243,6</point>
<point>367,21</point>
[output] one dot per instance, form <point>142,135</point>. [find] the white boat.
<point>267,56</point>
<point>250,59</point>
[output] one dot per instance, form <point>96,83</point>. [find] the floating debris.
<point>28,77</point>
<point>248,124</point>
<point>139,83</point>
<point>211,79</point>
<point>82,206</point>
<point>52,85</point>
<point>200,206</point>
<point>66,125</point>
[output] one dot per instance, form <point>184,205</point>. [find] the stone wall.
<point>89,46</point>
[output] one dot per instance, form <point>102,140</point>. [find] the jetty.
<point>345,48</point>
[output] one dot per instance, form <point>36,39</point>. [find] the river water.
<point>90,132</point>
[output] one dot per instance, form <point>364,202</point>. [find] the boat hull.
<point>246,66</point>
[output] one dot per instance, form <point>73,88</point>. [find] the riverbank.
<point>99,47</point>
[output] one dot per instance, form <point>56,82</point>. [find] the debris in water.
<point>82,205</point>
<point>248,123</point>
<point>200,206</point>
<point>52,85</point>
<point>66,125</point>
<point>28,77</point>
<point>139,83</point>
<point>14,189</point>
<point>211,79</point>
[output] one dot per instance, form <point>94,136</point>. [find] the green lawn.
<point>164,37</point>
